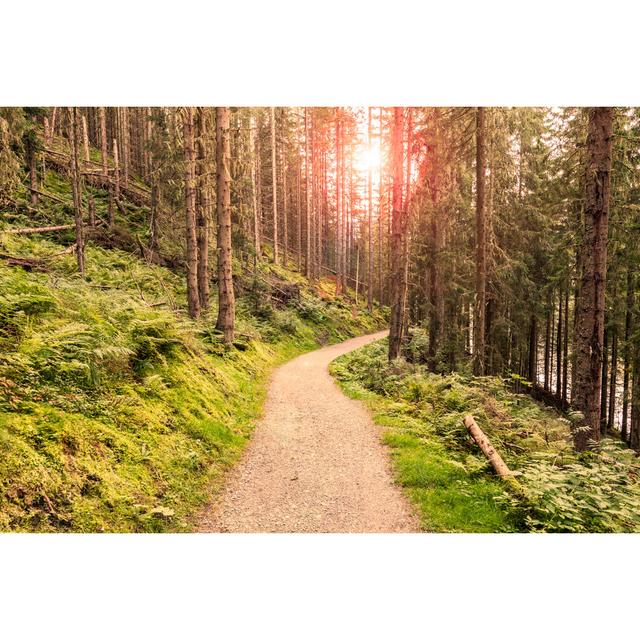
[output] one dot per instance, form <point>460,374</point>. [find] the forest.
<point>157,263</point>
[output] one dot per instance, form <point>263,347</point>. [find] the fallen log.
<point>48,195</point>
<point>483,442</point>
<point>28,264</point>
<point>25,230</point>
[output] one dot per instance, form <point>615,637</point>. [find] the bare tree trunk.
<point>309,190</point>
<point>87,158</point>
<point>559,348</point>
<point>190,214</point>
<point>481,249</point>
<point>603,382</point>
<point>254,189</point>
<point>274,187</point>
<point>285,213</point>
<point>259,178</point>
<point>590,304</point>
<point>339,195</point>
<point>533,349</point>
<point>30,151</point>
<point>203,208</point>
<point>565,349</point>
<point>103,141</point>
<point>74,132</point>
<point>125,146</point>
<point>299,214</point>
<point>547,350</point>
<point>226,299</point>
<point>369,219</point>
<point>380,222</point>
<point>630,301</point>
<point>613,383</point>
<point>397,238</point>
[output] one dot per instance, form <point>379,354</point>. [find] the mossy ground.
<point>117,411</point>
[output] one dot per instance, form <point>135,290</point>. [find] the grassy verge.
<point>451,491</point>
<point>449,480</point>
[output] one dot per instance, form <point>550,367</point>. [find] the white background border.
<point>318,53</point>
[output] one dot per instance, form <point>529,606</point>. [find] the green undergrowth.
<point>117,411</point>
<point>450,481</point>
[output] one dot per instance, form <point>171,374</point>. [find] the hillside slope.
<point>117,411</point>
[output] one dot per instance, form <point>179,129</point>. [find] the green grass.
<point>449,495</point>
<point>118,413</point>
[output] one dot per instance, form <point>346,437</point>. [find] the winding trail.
<point>315,462</point>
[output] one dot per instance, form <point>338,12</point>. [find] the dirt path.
<point>315,462</point>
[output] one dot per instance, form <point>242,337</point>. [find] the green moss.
<point>118,412</point>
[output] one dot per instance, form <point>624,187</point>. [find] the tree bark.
<point>603,382</point>
<point>254,189</point>
<point>565,350</point>
<point>338,249</point>
<point>481,249</point>
<point>369,219</point>
<point>274,187</point>
<point>203,208</point>
<point>590,304</point>
<point>308,190</point>
<point>190,214</point>
<point>226,298</point>
<point>74,132</point>
<point>483,442</point>
<point>397,237</point>
<point>103,141</point>
<point>613,381</point>
<point>559,348</point>
<point>628,350</point>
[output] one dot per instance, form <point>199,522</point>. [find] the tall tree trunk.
<point>613,382</point>
<point>203,214</point>
<point>299,214</point>
<point>481,249</point>
<point>308,190</point>
<point>547,350</point>
<point>369,219</point>
<point>380,222</point>
<point>590,303</point>
<point>565,349</point>
<point>339,196</point>
<point>226,299</point>
<point>285,208</point>
<point>603,382</point>
<point>125,146</point>
<point>533,350</point>
<point>254,189</point>
<point>103,141</point>
<point>397,238</point>
<point>87,158</point>
<point>193,298</point>
<point>74,133</point>
<point>559,348</point>
<point>274,187</point>
<point>628,350</point>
